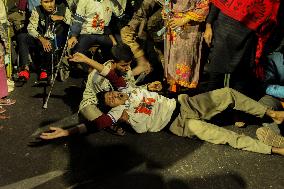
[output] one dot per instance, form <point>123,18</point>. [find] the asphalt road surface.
<point>104,161</point>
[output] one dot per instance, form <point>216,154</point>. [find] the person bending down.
<point>149,112</point>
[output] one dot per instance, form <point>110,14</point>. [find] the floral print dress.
<point>183,45</point>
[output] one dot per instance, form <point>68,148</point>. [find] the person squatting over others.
<point>147,111</point>
<point>88,110</point>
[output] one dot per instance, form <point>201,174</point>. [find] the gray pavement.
<point>104,161</point>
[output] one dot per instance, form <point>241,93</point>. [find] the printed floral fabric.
<point>92,16</point>
<point>183,45</point>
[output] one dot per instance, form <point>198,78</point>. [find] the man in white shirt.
<point>91,24</point>
<point>150,112</point>
<point>88,109</point>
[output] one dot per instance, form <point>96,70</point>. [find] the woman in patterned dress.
<point>183,41</point>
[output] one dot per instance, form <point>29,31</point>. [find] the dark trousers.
<point>86,41</point>
<point>27,44</point>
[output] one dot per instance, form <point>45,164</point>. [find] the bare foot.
<point>277,116</point>
<point>279,151</point>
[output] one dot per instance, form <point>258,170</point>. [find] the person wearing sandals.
<point>150,112</point>
<point>3,78</point>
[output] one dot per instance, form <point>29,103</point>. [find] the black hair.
<point>122,52</point>
<point>101,102</point>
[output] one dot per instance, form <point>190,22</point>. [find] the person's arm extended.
<point>115,80</point>
<point>101,122</point>
<point>79,57</point>
<point>57,132</point>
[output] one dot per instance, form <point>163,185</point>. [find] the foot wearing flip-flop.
<point>269,137</point>
<point>7,101</point>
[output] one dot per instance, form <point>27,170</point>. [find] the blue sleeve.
<point>275,90</point>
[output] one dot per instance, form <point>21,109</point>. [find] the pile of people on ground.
<point>145,59</point>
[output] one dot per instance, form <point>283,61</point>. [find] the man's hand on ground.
<point>54,132</point>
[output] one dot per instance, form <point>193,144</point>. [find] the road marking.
<point>33,182</point>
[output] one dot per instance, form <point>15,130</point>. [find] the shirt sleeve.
<point>117,81</point>
<point>116,113</point>
<point>3,23</point>
<point>3,14</point>
<point>271,73</point>
<point>33,24</point>
<point>103,121</point>
<point>22,5</point>
<point>67,17</point>
<point>107,120</point>
<point>275,90</point>
<point>118,6</point>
